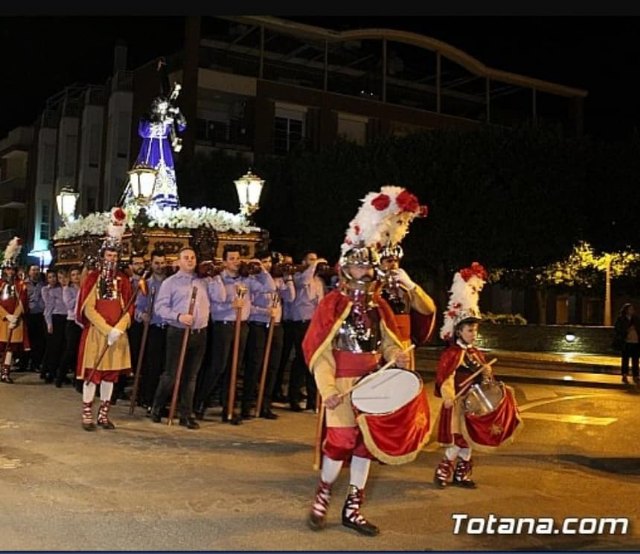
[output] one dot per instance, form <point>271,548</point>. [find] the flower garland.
<point>97,223</point>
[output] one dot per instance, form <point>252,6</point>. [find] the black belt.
<point>198,331</point>
<point>301,320</point>
<point>161,326</point>
<point>232,322</point>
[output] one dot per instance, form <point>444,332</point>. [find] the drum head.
<point>483,398</point>
<point>386,391</point>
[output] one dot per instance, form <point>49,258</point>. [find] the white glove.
<point>13,324</point>
<point>402,276</point>
<point>113,336</point>
<point>12,318</point>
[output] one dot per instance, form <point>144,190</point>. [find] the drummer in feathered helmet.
<point>13,302</point>
<point>413,308</point>
<point>351,330</point>
<point>458,362</point>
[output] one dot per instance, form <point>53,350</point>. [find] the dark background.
<point>42,55</point>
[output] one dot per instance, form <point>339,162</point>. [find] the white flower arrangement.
<point>180,218</point>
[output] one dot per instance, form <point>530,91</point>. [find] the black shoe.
<point>295,407</point>
<point>464,483</point>
<point>58,384</point>
<point>189,423</point>
<point>625,379</point>
<point>156,417</point>
<point>363,527</point>
<point>106,424</point>
<point>268,414</point>
<point>199,414</point>
<point>247,415</point>
<point>89,426</point>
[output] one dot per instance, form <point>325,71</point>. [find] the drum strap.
<point>352,364</point>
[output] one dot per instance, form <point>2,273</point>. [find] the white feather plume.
<point>13,249</point>
<point>463,300</point>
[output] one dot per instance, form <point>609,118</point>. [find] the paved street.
<point>146,486</point>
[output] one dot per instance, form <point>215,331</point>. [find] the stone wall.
<point>547,338</point>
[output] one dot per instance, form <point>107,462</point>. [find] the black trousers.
<point>55,346</point>
<point>221,357</point>
<point>300,373</point>
<point>254,360</point>
<point>68,362</point>
<point>193,358</point>
<point>285,354</point>
<point>155,352</point>
<point>37,330</point>
<point>630,351</point>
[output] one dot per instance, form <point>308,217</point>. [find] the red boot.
<point>103,415</point>
<point>351,516</point>
<point>318,515</point>
<point>444,472</point>
<point>462,475</point>
<point>87,417</point>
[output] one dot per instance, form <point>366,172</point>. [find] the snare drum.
<point>386,391</point>
<point>483,398</point>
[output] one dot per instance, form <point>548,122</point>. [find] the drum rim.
<point>417,377</point>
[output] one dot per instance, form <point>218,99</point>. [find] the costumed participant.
<point>105,310</point>
<point>13,304</point>
<point>459,431</point>
<point>413,308</point>
<point>351,330</point>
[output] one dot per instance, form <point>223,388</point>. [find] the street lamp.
<point>142,179</point>
<point>249,188</point>
<point>66,201</point>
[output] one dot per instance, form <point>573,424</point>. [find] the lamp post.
<point>607,291</point>
<point>142,179</point>
<point>66,201</point>
<point>249,189</point>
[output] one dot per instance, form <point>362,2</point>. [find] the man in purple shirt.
<point>55,316</point>
<point>172,305</point>
<point>309,292</point>
<point>228,292</point>
<point>266,309</point>
<point>155,351</point>
<point>34,318</point>
<point>72,330</point>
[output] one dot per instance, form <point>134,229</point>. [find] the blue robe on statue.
<point>156,152</point>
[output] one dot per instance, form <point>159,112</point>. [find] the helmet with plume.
<point>463,300</point>
<point>11,253</point>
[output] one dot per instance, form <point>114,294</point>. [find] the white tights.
<point>358,474</point>
<point>452,452</point>
<point>89,391</point>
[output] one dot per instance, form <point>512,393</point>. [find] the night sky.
<point>42,55</point>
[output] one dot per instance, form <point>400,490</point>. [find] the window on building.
<point>71,149</point>
<point>288,127</point>
<point>45,219</point>
<point>352,127</point>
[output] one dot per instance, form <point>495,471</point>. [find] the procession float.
<point>149,206</point>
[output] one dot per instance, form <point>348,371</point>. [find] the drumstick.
<point>463,385</point>
<point>383,368</point>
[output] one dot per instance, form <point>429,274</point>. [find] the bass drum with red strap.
<point>392,412</point>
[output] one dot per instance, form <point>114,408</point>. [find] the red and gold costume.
<point>99,315</point>
<point>13,302</point>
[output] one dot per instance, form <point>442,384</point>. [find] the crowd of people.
<point>245,334</point>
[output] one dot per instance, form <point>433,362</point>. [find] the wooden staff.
<point>183,353</point>
<point>240,292</point>
<point>383,368</point>
<point>463,385</point>
<point>267,354</point>
<point>317,450</point>
<point>106,344</point>
<point>143,344</point>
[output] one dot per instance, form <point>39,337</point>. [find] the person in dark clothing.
<point>627,340</point>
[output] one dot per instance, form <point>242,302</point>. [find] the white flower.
<point>180,218</point>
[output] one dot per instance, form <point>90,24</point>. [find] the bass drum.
<point>386,391</point>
